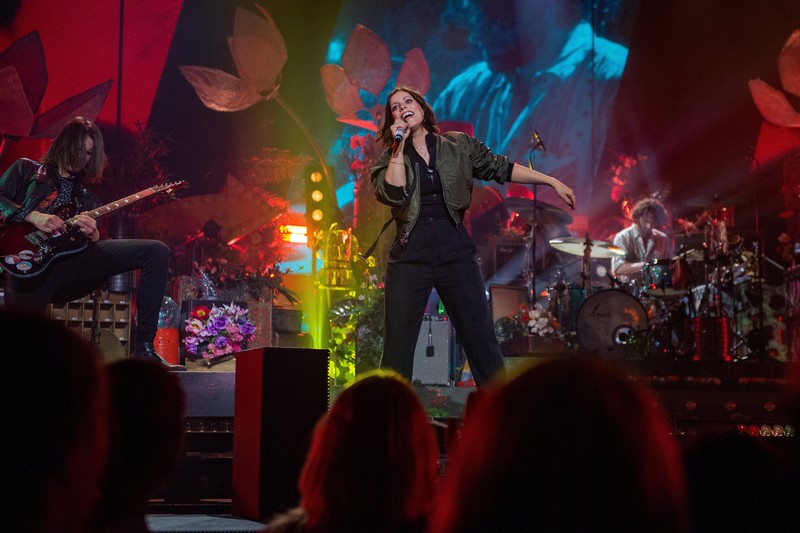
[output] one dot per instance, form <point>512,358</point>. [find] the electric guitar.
<point>27,252</point>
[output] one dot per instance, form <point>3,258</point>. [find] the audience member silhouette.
<point>54,412</point>
<point>371,465</point>
<point>146,436</point>
<point>739,483</point>
<point>567,445</point>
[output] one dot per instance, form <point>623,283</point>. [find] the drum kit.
<point>682,307</point>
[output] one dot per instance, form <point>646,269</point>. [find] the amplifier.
<point>433,355</point>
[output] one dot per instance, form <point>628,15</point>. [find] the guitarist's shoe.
<point>147,351</point>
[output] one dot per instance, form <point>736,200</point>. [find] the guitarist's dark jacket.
<point>28,186</point>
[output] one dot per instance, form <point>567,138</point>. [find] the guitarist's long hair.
<point>67,151</point>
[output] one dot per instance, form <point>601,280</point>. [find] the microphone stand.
<point>529,262</point>
<point>758,339</point>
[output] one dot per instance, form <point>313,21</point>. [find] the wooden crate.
<point>113,316</point>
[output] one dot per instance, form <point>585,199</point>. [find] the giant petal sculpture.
<point>367,65</point>
<point>771,102</point>
<point>779,132</point>
<point>259,53</point>
<point>23,80</point>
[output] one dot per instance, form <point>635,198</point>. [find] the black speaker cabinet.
<point>434,352</point>
<point>280,394</point>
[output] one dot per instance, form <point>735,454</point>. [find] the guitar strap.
<point>371,249</point>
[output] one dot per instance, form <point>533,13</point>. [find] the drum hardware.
<point>712,338</point>
<point>589,249</point>
<point>578,246</point>
<point>658,279</point>
<point>565,300</point>
<point>757,338</point>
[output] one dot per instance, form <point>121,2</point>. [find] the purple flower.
<point>221,342</point>
<point>247,329</point>
<point>220,322</point>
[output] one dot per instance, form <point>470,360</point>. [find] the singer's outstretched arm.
<point>520,174</point>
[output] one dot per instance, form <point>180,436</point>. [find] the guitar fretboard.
<point>113,206</point>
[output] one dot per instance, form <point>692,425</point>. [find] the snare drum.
<point>611,322</point>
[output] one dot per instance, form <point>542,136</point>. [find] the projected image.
<point>509,67</point>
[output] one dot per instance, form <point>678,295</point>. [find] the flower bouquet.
<point>216,334</point>
<point>530,330</point>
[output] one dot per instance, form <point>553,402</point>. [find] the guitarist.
<point>31,192</point>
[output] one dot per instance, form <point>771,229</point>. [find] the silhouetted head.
<point>568,445</point>
<point>54,398</point>
<point>372,462</point>
<point>146,434</point>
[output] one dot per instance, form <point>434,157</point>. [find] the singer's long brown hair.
<point>429,121</point>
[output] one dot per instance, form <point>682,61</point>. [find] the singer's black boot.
<point>146,350</point>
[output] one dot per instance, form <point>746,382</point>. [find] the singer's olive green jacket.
<point>459,159</point>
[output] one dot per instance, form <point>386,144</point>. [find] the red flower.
<point>200,312</point>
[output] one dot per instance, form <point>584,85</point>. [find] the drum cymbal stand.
<point>586,272</point>
<point>529,261</point>
<point>758,338</point>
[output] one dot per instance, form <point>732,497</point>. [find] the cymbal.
<point>577,245</point>
<point>547,213</point>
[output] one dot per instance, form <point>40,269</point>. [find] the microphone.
<point>430,351</point>
<point>398,134</point>
<point>537,141</point>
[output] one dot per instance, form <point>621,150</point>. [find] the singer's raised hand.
<point>400,129</point>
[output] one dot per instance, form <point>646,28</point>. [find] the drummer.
<point>642,241</point>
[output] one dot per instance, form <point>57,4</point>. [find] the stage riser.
<point>723,397</point>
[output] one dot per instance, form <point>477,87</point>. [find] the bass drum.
<point>609,322</point>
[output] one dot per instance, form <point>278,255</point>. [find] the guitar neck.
<point>123,202</point>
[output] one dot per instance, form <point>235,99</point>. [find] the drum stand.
<point>529,259</point>
<point>721,322</point>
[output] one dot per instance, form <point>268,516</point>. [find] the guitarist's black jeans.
<point>74,276</point>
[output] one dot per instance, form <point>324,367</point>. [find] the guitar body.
<point>28,251</point>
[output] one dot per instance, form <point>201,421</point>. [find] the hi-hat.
<point>577,245</point>
<point>547,214</point>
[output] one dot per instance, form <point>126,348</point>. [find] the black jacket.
<point>30,185</point>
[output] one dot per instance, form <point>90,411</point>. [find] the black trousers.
<point>442,256</point>
<point>74,276</point>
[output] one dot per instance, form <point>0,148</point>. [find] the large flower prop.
<point>771,102</point>
<point>259,53</point>
<point>23,80</point>
<point>367,65</point>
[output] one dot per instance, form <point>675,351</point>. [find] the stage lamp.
<point>294,234</point>
<point>320,202</point>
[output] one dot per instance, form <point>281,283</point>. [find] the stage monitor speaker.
<point>280,395</point>
<point>506,300</point>
<point>433,354</point>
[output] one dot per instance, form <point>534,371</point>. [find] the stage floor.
<point>164,523</point>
